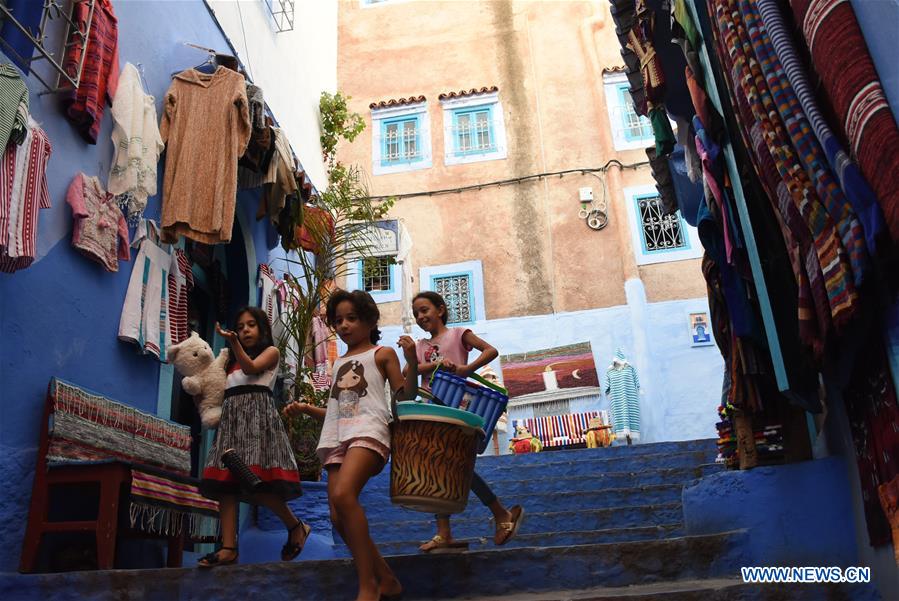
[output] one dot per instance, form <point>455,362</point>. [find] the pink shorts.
<point>337,454</point>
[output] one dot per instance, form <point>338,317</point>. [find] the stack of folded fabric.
<point>769,443</point>
<point>727,439</point>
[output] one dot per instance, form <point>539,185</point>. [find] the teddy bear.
<point>204,376</point>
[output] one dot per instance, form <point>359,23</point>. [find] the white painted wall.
<point>293,68</point>
<point>680,383</point>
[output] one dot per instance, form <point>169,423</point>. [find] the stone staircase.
<point>600,524</point>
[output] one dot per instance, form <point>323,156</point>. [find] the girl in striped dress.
<point>251,430</point>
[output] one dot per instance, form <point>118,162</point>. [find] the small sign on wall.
<point>701,329</point>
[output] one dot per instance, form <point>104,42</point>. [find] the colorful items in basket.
<point>483,398</point>
<point>433,450</point>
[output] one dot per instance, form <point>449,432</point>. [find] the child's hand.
<point>408,346</point>
<point>293,409</point>
<point>449,366</point>
<point>463,371</point>
<point>228,335</point>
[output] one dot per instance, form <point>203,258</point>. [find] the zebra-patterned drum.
<point>433,453</point>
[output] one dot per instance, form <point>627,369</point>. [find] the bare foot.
<point>368,591</point>
<point>391,587</point>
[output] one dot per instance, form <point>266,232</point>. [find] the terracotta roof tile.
<point>615,69</point>
<point>396,102</point>
<point>464,93</point>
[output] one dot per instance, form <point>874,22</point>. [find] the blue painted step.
<point>705,444</point>
<point>381,509</point>
<point>481,573</point>
<point>587,463</point>
<point>538,539</point>
<point>423,526</point>
<point>591,482</point>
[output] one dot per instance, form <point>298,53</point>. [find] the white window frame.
<point>475,270</point>
<point>498,128</point>
<point>418,109</point>
<point>694,248</point>
<point>611,83</point>
<point>354,282</point>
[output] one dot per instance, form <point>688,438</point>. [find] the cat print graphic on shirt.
<point>349,386</point>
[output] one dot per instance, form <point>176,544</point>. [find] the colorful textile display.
<point>88,426</point>
<point>23,192</point>
<point>864,202</point>
<point>205,126</point>
<point>841,59</point>
<point>181,282</point>
<point>162,503</point>
<point>774,153</point>
<point>558,430</point>
<point>873,417</point>
<point>145,317</point>
<point>84,106</point>
<point>623,389</point>
<point>100,232</point>
<point>13,106</point>
<point>137,144</point>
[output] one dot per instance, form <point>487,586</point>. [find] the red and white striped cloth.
<point>551,429</point>
<point>181,281</point>
<point>23,191</point>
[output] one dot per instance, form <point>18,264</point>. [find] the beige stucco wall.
<point>546,58</point>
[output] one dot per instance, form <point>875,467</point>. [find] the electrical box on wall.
<point>586,194</point>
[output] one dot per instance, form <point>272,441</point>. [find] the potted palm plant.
<point>338,229</point>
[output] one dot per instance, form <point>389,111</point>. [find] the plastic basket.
<point>484,399</point>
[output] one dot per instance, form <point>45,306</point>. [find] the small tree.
<point>339,231</point>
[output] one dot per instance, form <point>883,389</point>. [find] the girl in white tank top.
<point>355,436</point>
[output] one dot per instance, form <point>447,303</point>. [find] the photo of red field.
<point>572,366</point>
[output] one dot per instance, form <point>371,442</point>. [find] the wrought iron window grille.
<point>282,12</point>
<point>455,290</point>
<point>53,10</point>
<point>660,232</point>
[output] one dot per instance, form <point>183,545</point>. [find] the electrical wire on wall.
<point>517,180</point>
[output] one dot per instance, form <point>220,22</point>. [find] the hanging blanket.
<point>751,89</point>
<point>164,503</point>
<point>841,59</point>
<point>857,189</point>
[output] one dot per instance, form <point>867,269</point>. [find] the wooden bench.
<point>132,456</point>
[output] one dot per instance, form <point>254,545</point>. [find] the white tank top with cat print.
<point>357,406</point>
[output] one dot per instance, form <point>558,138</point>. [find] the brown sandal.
<point>505,531</point>
<point>212,560</point>
<point>438,544</point>
<point>291,549</point>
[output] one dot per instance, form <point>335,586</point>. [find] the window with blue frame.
<point>376,274</point>
<point>659,232</point>
<point>634,127</point>
<point>400,140</point>
<point>473,130</point>
<point>456,291</point>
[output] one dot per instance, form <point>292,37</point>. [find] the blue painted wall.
<point>796,514</point>
<point>879,22</point>
<point>681,384</point>
<point>60,317</point>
